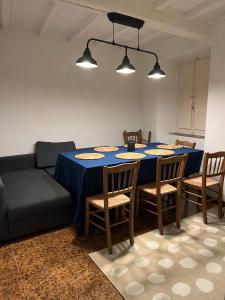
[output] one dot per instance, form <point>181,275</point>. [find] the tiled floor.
<point>55,265</point>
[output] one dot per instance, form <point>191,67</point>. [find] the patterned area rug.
<point>182,264</point>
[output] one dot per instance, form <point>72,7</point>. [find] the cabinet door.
<point>201,94</point>
<point>185,96</point>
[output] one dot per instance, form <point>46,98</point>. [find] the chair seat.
<point>197,182</point>
<point>115,201</point>
<point>151,189</point>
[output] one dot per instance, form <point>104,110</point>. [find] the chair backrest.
<point>149,137</point>
<point>120,179</point>
<point>214,164</point>
<point>170,170</point>
<point>186,144</point>
<point>135,136</point>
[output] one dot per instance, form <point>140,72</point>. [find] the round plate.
<point>169,146</point>
<point>89,156</point>
<point>138,145</point>
<point>159,152</point>
<point>130,155</point>
<point>106,149</point>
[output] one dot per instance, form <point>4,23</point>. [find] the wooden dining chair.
<point>199,187</point>
<point>149,137</point>
<point>119,189</point>
<point>135,136</point>
<point>186,144</point>
<point>169,175</point>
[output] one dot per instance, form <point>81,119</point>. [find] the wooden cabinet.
<point>192,96</point>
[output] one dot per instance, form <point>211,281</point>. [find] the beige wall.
<point>43,96</point>
<point>215,121</point>
<point>159,98</point>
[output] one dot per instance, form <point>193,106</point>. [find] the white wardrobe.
<point>192,97</point>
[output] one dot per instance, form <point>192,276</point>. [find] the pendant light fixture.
<point>88,62</point>
<point>156,73</point>
<point>126,67</point>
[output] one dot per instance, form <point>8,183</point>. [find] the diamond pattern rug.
<point>188,263</point>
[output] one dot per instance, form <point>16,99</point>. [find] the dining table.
<point>84,178</point>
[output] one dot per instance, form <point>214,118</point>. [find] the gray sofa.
<point>30,198</point>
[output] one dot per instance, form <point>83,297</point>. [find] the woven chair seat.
<point>151,189</point>
<point>115,201</point>
<point>197,182</point>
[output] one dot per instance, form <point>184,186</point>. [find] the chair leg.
<point>204,207</point>
<point>170,200</point>
<point>108,233</point>
<point>159,211</point>
<point>186,197</point>
<point>87,215</point>
<point>120,213</point>
<point>137,204</point>
<point>220,203</point>
<point>131,223</point>
<point>178,209</point>
<point>198,207</point>
<point>117,214</point>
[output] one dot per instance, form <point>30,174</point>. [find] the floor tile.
<point>55,264</point>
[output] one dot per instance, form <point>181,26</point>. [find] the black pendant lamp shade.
<point>156,73</point>
<point>126,67</point>
<point>86,60</point>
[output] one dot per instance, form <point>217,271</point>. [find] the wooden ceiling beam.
<point>117,34</point>
<point>161,4</point>
<point>5,10</point>
<point>87,27</point>
<point>150,37</point>
<point>52,14</point>
<point>204,9</point>
<point>171,21</point>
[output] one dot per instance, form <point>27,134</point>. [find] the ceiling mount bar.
<point>125,20</point>
<point>138,48</point>
<point>113,32</point>
<point>122,46</point>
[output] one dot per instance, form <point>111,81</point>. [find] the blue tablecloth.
<point>84,177</point>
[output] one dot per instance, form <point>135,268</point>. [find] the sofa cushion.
<point>33,192</point>
<point>47,152</point>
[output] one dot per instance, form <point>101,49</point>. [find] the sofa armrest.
<point>4,227</point>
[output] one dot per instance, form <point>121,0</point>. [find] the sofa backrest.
<point>48,152</point>
<point>17,162</point>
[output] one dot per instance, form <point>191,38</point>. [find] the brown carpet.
<point>56,265</point>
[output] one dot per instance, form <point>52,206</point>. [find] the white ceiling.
<point>75,19</point>
<point>185,5</point>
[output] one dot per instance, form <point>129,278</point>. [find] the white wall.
<point>159,98</point>
<point>215,121</point>
<point>148,98</point>
<point>43,96</point>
